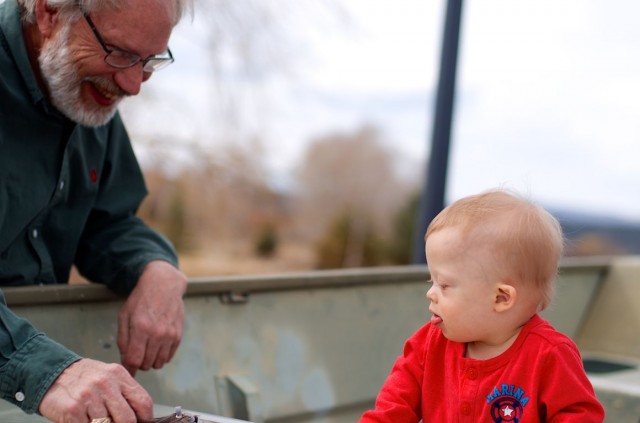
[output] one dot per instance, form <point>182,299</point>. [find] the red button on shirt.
<point>472,374</point>
<point>465,408</point>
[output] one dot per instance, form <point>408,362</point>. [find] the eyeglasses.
<point>123,59</point>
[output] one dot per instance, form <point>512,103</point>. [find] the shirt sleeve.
<point>29,361</point>
<point>399,399</point>
<point>115,244</point>
<point>568,396</point>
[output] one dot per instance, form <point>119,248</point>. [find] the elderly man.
<point>69,189</point>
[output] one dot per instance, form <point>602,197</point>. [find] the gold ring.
<point>102,420</point>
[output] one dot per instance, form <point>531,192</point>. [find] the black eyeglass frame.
<point>150,64</point>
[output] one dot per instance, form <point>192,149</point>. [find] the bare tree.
<point>222,196</point>
<point>348,175</point>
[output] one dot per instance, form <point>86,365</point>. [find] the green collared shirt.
<point>68,195</point>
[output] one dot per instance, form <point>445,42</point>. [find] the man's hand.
<point>151,321</point>
<point>90,389</point>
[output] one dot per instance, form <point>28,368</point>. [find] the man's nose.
<point>131,79</point>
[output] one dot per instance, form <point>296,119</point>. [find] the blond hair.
<point>526,236</point>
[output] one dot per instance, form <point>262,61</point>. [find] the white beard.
<point>61,76</point>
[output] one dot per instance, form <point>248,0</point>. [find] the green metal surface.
<point>292,337</point>
<point>613,322</point>
<point>12,414</point>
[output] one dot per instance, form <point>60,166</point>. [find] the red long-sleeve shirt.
<point>540,378</point>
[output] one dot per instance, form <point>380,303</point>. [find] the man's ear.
<point>46,17</point>
<point>505,297</point>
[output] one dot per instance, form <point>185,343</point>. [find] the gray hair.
<point>72,8</point>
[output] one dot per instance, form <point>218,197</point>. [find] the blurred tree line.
<point>348,207</point>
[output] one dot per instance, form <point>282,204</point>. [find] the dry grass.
<point>230,262</point>
<point>237,260</point>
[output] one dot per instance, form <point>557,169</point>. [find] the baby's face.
<point>463,291</point>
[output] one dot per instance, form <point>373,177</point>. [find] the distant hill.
<point>594,234</point>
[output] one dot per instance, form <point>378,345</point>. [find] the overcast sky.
<point>548,93</point>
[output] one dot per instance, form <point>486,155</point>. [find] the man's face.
<point>63,79</point>
<point>81,85</point>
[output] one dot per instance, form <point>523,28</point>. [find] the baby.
<point>486,355</point>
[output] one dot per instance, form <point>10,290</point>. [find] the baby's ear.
<point>505,297</point>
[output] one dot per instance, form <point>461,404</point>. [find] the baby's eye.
<point>441,286</point>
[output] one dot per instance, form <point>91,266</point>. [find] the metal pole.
<point>432,198</point>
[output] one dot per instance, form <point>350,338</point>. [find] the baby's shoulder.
<point>542,335</point>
